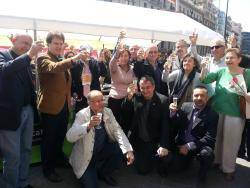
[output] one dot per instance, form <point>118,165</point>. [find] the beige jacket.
<point>84,141</point>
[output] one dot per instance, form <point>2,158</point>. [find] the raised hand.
<point>84,55</point>
<point>193,38</point>
<point>131,90</point>
<point>232,41</point>
<point>35,49</point>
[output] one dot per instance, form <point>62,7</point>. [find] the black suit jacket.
<point>12,89</point>
<point>142,68</point>
<point>245,62</point>
<point>157,119</point>
<point>204,127</point>
<point>96,69</point>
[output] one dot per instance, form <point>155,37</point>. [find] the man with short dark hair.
<point>17,109</point>
<point>96,134</point>
<point>197,124</point>
<point>54,103</point>
<point>149,127</point>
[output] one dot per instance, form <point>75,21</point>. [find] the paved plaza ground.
<point>128,178</point>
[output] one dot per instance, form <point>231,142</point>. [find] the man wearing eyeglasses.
<point>99,143</point>
<point>152,67</point>
<point>217,51</point>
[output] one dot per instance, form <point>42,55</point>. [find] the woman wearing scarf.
<point>181,82</point>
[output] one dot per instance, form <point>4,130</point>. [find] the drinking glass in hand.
<point>98,126</point>
<point>175,101</point>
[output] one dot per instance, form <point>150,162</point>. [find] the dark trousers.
<point>102,164</point>
<point>54,131</point>
<point>180,162</point>
<point>146,157</point>
<point>122,118</point>
<point>245,141</point>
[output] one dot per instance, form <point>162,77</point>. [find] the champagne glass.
<point>98,126</point>
<point>175,101</point>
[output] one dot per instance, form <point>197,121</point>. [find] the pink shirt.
<point>120,80</point>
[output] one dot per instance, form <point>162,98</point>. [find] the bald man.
<point>99,143</point>
<point>17,109</point>
<point>152,67</point>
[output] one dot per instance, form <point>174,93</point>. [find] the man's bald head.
<point>152,53</point>
<point>21,43</point>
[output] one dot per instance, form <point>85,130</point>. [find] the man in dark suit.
<point>197,133</point>
<point>151,66</point>
<point>17,109</point>
<point>90,66</point>
<point>149,127</point>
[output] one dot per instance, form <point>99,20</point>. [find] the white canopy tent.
<point>102,19</point>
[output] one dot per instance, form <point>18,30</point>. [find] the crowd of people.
<point>158,114</point>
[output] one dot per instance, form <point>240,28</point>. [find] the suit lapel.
<point>198,119</point>
<point>189,115</point>
<point>11,57</point>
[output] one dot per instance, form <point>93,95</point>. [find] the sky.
<point>239,10</point>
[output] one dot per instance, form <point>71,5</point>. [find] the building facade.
<point>245,42</point>
<point>237,29</point>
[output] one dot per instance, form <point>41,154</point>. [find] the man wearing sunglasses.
<point>217,51</point>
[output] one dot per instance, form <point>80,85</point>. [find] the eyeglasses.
<point>215,47</point>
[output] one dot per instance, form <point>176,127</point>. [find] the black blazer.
<point>204,127</point>
<point>97,69</point>
<point>142,68</point>
<point>157,119</point>
<point>12,90</point>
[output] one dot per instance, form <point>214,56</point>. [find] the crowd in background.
<point>156,112</point>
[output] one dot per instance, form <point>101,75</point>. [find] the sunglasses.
<point>215,47</point>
